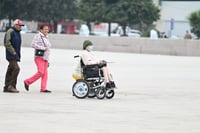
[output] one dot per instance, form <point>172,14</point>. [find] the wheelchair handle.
<point>110,62</point>
<point>76,56</point>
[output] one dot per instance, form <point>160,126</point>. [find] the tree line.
<point>140,13</point>
<point>125,12</point>
<point>38,10</point>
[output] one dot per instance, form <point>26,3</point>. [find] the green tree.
<point>124,12</point>
<point>53,11</point>
<point>45,10</point>
<point>136,12</point>
<point>10,9</point>
<point>194,20</point>
<point>89,10</point>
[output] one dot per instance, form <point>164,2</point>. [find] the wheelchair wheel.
<point>91,93</point>
<point>80,89</point>
<point>110,93</point>
<point>100,93</point>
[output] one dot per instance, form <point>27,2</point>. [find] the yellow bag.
<point>76,77</point>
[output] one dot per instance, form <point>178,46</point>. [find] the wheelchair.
<point>92,83</point>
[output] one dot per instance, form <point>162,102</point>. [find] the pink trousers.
<point>42,72</point>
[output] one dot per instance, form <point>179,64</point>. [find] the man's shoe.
<point>11,89</point>
<point>26,86</point>
<point>45,91</point>
<point>5,89</point>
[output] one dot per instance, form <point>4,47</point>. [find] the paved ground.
<point>156,94</point>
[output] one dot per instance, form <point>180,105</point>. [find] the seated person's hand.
<point>102,63</point>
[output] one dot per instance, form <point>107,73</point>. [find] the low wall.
<point>178,47</point>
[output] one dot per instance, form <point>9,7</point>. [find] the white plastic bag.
<point>77,74</point>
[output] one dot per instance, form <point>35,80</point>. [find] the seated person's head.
<point>87,45</point>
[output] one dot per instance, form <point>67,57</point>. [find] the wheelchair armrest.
<point>96,66</point>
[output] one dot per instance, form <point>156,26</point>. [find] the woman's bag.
<point>39,52</point>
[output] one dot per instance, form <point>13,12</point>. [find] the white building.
<point>174,16</point>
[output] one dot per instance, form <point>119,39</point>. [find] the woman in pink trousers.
<point>41,44</point>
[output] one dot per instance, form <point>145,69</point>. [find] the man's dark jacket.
<point>12,42</point>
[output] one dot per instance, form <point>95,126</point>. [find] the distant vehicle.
<point>129,32</point>
<point>116,30</point>
<point>134,33</point>
<point>174,37</point>
<point>194,37</point>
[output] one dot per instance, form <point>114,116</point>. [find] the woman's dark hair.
<point>42,26</point>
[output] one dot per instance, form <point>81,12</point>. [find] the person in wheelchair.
<point>89,58</point>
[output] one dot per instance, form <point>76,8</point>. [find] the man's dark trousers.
<point>12,74</point>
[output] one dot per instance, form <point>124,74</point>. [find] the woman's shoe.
<point>45,91</point>
<point>26,86</point>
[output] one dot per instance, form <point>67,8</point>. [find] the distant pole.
<point>171,26</point>
<point>109,28</point>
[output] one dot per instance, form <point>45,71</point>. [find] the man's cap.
<point>86,43</point>
<point>18,22</point>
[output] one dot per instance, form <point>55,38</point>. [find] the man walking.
<point>12,43</point>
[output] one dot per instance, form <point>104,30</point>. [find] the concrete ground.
<point>156,94</point>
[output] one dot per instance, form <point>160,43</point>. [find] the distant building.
<point>174,13</point>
